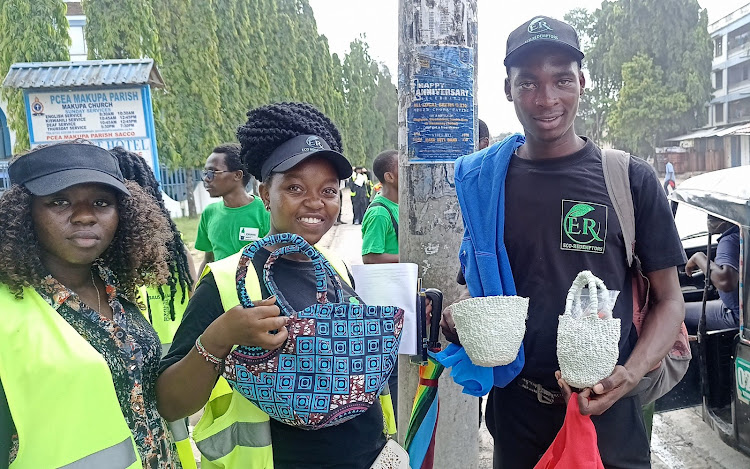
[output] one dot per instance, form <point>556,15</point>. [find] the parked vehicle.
<point>719,376</point>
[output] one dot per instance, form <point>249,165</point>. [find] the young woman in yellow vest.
<point>164,305</point>
<point>295,151</point>
<point>78,361</point>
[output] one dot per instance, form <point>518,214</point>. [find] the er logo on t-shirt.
<point>248,234</point>
<point>583,226</point>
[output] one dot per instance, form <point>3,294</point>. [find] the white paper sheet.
<point>391,285</point>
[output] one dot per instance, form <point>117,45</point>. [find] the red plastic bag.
<point>575,445</point>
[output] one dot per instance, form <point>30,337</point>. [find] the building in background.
<point>77,23</point>
<point>725,141</point>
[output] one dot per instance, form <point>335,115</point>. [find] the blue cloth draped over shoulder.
<point>480,186</point>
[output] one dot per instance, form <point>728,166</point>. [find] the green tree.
<point>594,103</point>
<point>386,103</point>
<point>191,103</point>
<point>243,82</point>
<point>646,112</point>
<point>281,41</point>
<point>256,56</point>
<point>131,36</point>
<point>674,35</point>
<point>33,31</point>
<point>339,111</point>
<point>323,79</point>
<point>305,33</point>
<point>363,126</point>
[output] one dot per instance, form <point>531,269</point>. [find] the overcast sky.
<point>344,20</point>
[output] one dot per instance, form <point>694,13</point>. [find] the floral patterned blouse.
<point>132,350</point>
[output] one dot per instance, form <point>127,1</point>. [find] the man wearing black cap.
<point>559,220</point>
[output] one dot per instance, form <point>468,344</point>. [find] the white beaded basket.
<point>491,328</point>
<point>587,347</point>
<point>393,456</point>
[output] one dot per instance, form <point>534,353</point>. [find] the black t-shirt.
<point>352,444</point>
<point>559,222</point>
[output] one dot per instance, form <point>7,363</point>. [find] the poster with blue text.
<point>441,116</point>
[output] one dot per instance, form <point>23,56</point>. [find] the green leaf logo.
<point>579,210</point>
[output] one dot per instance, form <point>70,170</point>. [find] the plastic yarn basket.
<point>491,328</point>
<point>587,347</point>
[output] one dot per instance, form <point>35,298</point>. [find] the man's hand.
<point>596,400</point>
<point>696,262</point>
<point>259,326</point>
<point>446,322</point>
<point>449,327</point>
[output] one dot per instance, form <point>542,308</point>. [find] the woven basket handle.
<point>584,279</point>
<point>292,243</point>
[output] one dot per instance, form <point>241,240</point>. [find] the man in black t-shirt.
<point>559,221</point>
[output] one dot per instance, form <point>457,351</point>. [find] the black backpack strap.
<point>393,219</point>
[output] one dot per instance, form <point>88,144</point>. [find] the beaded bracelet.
<point>217,362</point>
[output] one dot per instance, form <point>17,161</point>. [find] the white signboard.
<point>108,117</point>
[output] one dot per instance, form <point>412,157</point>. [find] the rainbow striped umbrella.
<point>420,435</point>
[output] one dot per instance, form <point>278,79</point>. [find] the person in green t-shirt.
<point>240,218</point>
<point>380,230</point>
<point>380,223</point>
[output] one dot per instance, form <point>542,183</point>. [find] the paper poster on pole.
<point>441,117</point>
<point>391,285</point>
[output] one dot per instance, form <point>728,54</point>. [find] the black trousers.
<point>523,429</point>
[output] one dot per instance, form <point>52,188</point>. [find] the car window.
<point>691,225</point>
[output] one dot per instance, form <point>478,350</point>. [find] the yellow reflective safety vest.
<point>156,310</point>
<point>233,432</point>
<point>59,390</point>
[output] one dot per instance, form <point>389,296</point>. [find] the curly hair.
<point>135,168</point>
<point>269,126</point>
<point>137,255</point>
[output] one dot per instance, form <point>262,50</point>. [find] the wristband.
<point>217,362</point>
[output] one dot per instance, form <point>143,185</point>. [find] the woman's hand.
<point>259,326</point>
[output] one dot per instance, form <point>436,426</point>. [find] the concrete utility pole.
<point>437,123</point>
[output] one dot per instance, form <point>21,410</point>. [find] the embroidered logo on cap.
<point>315,144</point>
<point>538,25</point>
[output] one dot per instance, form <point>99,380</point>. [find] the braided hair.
<point>269,126</point>
<point>135,168</point>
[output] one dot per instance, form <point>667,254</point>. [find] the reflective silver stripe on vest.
<point>247,434</point>
<point>179,430</point>
<point>165,349</point>
<point>121,455</point>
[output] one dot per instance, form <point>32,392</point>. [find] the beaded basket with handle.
<point>336,360</point>
<point>491,328</point>
<point>587,346</point>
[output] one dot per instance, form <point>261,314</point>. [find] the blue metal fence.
<point>174,182</point>
<point>4,179</point>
